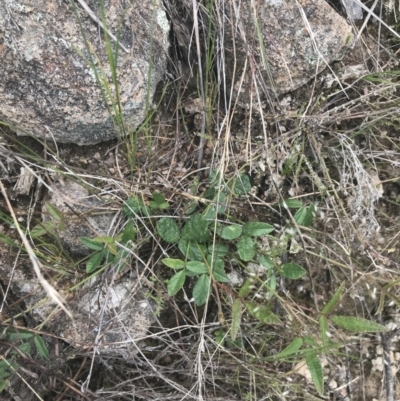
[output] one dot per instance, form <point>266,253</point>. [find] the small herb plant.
<point>25,343</point>
<point>207,244</point>
<point>115,250</point>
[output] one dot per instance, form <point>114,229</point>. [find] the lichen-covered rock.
<point>48,86</point>
<point>284,42</point>
<point>109,312</point>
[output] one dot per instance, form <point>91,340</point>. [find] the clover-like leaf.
<point>197,267</point>
<point>196,229</point>
<point>176,264</point>
<point>201,290</point>
<point>176,282</point>
<point>292,271</point>
<point>41,347</point>
<point>257,228</point>
<point>168,230</point>
<point>246,248</point>
<point>94,262</point>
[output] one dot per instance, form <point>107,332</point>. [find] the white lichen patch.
<point>163,23</point>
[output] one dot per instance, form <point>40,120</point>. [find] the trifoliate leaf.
<point>192,250</point>
<point>132,206</point>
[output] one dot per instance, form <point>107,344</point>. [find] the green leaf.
<point>94,262</point>
<point>43,229</point>
<point>190,207</point>
<point>305,215</point>
<point>242,185</point>
<point>246,248</point>
<point>257,228</point>
<point>176,282</point>
<point>54,212</point>
<point>25,348</point>
<point>217,265</point>
<point>219,274</point>
<point>158,201</point>
<point>291,349</point>
<point>236,318</point>
<point>331,305</point>
<point>146,211</point>
<point>159,198</point>
<point>192,251</point>
<point>315,368</point>
<point>209,193</point>
<point>265,261</point>
<point>197,267</point>
<point>7,240</point>
<point>41,347</point>
<point>168,230</point>
<point>219,336</point>
<point>173,263</point>
<point>129,233</point>
<point>196,229</point>
<point>132,206</point>
<point>358,324</point>
<point>201,290</point>
<point>218,250</point>
<point>105,239</point>
<point>217,207</point>
<point>262,312</point>
<point>246,288</point>
<point>323,327</point>
<point>92,244</point>
<point>7,366</point>
<point>211,213</point>
<point>230,232</point>
<point>3,384</point>
<point>292,271</point>
<point>19,335</point>
<point>292,203</point>
<point>215,178</point>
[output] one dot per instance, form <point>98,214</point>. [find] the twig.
<point>95,19</point>
<point>203,98</point>
<point>387,364</point>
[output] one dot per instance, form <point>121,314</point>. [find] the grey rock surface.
<point>85,215</point>
<point>109,313</point>
<point>290,44</point>
<point>48,87</point>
